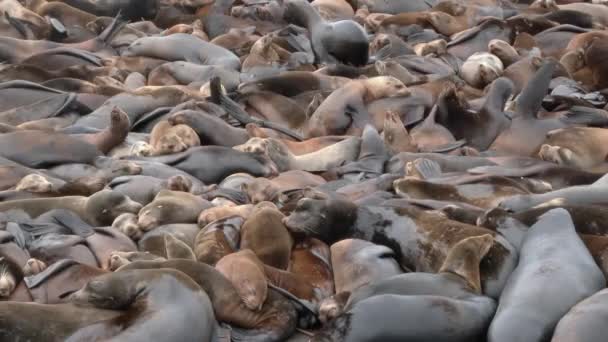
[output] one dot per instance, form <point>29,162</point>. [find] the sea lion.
<point>218,239</point>
<point>167,139</point>
<point>356,263</point>
<point>264,233</point>
<point>149,313</point>
<point>275,321</point>
<point>311,259</point>
<point>33,267</point>
<point>579,195</point>
<point>183,47</point>
<point>343,41</point>
<point>578,147</point>
<point>171,207</point>
<point>127,224</point>
<point>246,273</point>
<point>481,68</point>
<point>211,164</point>
<point>321,160</point>
<point>100,209</point>
<point>584,322</point>
<point>396,137</point>
<point>537,276</point>
<point>210,129</point>
<point>331,117</point>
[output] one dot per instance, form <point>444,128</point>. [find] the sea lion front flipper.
<point>531,97</point>
<point>177,249</point>
<point>464,257</point>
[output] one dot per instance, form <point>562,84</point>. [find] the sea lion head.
<point>260,190</point>
<point>111,291</point>
<point>443,23</point>
<point>385,86</point>
<point>179,183</point>
<point>34,183</point>
<point>141,149</point>
<point>573,60</point>
<point>127,224</point>
<point>120,168</point>
<point>33,266</point>
<point>253,145</point>
<point>8,282</point>
<point>106,205</point>
<point>326,220</point>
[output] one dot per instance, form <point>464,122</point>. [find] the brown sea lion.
<point>311,259</point>
<point>167,139</point>
<point>171,207</point>
<point>330,117</point>
<point>246,273</point>
<point>321,160</point>
<point>578,147</point>
<point>264,233</point>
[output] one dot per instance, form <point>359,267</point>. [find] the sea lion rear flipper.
<point>53,269</point>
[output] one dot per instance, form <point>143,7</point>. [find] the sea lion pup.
<point>324,159</point>
<point>246,273</point>
<point>33,266</point>
<point>480,69</point>
<point>343,41</point>
<point>458,277</point>
<point>264,233</point>
<point>151,301</point>
<point>171,207</point>
<point>183,47</point>
<point>568,273</point>
<point>99,209</point>
<point>336,115</point>
<point>579,147</point>
<point>166,138</point>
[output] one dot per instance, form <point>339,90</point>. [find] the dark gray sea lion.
<point>568,273</point>
<point>183,47</point>
<point>218,163</point>
<point>342,41</point>
<point>99,209</point>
